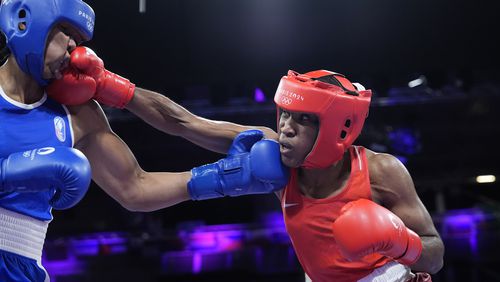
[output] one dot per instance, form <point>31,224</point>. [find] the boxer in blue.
<point>47,149</point>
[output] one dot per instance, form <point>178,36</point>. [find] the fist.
<point>364,227</point>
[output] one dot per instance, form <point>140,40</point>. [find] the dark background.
<point>211,55</point>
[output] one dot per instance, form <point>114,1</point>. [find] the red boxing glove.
<point>111,89</point>
<point>364,227</point>
<point>73,88</point>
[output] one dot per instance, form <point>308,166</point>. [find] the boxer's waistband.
<point>21,234</point>
<point>390,272</point>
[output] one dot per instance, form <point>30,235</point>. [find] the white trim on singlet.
<point>21,234</point>
<point>4,63</point>
<point>358,156</point>
<point>70,125</point>
<point>22,105</point>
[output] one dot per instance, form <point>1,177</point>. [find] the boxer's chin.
<point>290,161</point>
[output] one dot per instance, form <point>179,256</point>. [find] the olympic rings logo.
<point>286,100</point>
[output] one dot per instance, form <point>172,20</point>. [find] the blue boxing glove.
<point>65,169</point>
<point>252,166</point>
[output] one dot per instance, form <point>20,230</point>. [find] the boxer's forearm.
<point>159,111</point>
<point>164,114</point>
<point>152,191</point>
<point>431,259</point>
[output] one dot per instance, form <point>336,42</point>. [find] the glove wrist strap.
<point>115,91</point>
<point>413,249</point>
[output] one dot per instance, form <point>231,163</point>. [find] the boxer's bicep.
<point>395,190</point>
<point>116,170</point>
<point>114,167</point>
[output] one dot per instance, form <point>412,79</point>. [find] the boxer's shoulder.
<point>389,179</point>
<point>380,164</point>
<point>86,119</point>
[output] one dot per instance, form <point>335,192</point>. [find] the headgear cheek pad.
<point>340,107</point>
<point>27,23</point>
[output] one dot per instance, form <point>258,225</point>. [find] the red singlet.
<point>309,222</point>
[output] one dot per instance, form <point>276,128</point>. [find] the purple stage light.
<point>273,219</point>
<point>463,224</point>
<point>274,228</point>
<point>197,262</point>
<point>182,262</point>
<point>402,159</point>
<point>68,261</point>
<point>105,243</point>
<point>216,238</point>
<point>404,141</point>
<point>69,266</point>
<point>259,95</point>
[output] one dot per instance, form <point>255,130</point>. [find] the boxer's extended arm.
<point>166,115</point>
<point>393,188</point>
<point>86,78</point>
<point>115,169</point>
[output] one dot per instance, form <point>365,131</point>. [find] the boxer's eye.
<point>64,30</point>
<point>304,118</point>
<point>70,32</point>
<point>284,114</point>
<point>308,118</point>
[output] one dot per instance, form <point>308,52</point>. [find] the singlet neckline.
<point>22,105</point>
<point>356,167</point>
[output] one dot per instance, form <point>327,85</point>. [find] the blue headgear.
<point>27,23</point>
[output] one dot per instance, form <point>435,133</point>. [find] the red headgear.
<point>341,109</point>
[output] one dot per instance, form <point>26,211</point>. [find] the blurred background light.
<point>485,178</point>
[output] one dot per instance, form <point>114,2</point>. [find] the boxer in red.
<point>352,214</point>
<point>334,198</point>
